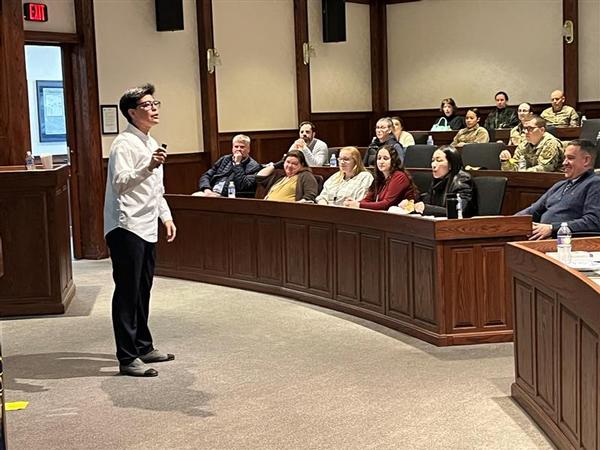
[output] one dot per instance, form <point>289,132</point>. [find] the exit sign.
<point>35,12</point>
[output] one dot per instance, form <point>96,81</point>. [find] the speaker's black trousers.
<point>133,268</point>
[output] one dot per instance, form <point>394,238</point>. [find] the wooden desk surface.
<point>439,280</point>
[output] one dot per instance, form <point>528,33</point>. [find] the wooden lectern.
<point>36,275</point>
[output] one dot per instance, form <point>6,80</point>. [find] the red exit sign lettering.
<point>35,12</point>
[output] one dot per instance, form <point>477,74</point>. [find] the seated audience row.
<point>559,114</point>
<point>575,200</point>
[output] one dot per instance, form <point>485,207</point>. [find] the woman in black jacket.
<point>448,179</point>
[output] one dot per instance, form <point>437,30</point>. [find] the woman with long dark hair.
<point>449,179</point>
<point>391,184</point>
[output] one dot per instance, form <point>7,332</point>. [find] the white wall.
<point>340,72</point>
<point>470,49</point>
<point>256,83</point>
<point>589,50</point>
<point>43,63</point>
<point>131,52</point>
<point>61,15</point>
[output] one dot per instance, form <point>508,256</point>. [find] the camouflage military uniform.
<point>546,156</point>
<point>475,135</point>
<point>566,117</point>
<point>517,135</point>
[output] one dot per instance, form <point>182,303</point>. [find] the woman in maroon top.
<point>391,184</point>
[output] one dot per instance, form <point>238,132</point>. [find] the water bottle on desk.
<point>583,119</point>
<point>522,164</point>
<point>333,160</point>
<point>29,161</point>
<point>231,190</point>
<point>459,207</point>
<point>563,243</point>
<point>429,140</point>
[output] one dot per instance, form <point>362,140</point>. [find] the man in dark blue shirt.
<point>575,200</point>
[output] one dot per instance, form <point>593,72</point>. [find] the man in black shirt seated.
<point>238,167</point>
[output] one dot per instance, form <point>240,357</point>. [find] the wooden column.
<point>302,70</point>
<point>379,64</point>
<point>208,86</point>
<point>571,53</point>
<point>15,139</point>
<point>87,157</point>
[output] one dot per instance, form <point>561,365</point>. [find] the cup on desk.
<point>46,160</point>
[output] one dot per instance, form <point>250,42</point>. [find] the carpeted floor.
<point>252,371</point>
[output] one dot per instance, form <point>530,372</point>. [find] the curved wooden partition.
<point>439,280</point>
<point>557,324</point>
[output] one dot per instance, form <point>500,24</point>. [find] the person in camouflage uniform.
<point>541,152</point>
<point>517,134</point>
<point>559,114</point>
<point>502,116</point>
<point>473,133</point>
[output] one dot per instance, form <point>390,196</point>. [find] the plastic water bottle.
<point>583,119</point>
<point>231,190</point>
<point>563,243</point>
<point>333,160</point>
<point>429,140</point>
<point>459,207</point>
<point>522,164</point>
<point>29,161</point>
<point>598,138</point>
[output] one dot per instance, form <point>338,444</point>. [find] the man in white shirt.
<point>315,150</point>
<point>133,204</point>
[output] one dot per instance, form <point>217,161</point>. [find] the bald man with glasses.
<point>539,152</point>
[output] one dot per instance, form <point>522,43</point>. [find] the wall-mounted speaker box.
<point>334,20</point>
<point>169,15</point>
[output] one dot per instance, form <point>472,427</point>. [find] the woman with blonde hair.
<point>352,180</point>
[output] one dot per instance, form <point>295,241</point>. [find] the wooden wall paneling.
<point>62,245</point>
<point>425,307</point>
<point>189,257</point>
<point>208,86</point>
<point>348,268</point>
<point>183,171</point>
<point>87,158</point>
<point>1,258</point>
<point>320,260</point>
<point>265,146</point>
<point>400,276</point>
<point>372,272</point>
<point>494,304</point>
<point>462,289</point>
<point>215,232</point>
<point>545,317</point>
<point>588,379</point>
<point>242,252</point>
<point>15,139</point>
<point>29,258</point>
<point>525,344</point>
<point>342,129</point>
<point>296,254</point>
<point>268,248</point>
<point>568,408</point>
